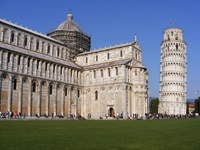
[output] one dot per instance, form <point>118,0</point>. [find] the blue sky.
<point>111,22</point>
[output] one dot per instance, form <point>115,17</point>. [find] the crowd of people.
<point>148,116</point>
<point>11,115</point>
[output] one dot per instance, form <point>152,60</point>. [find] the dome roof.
<point>69,25</point>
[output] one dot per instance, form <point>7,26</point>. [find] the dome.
<point>69,25</point>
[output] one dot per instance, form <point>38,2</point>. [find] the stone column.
<point>69,75</point>
<point>63,54</point>
<point>63,100</point>
<point>55,102</point>
<point>16,64</point>
<point>28,42</point>
<point>39,97</point>
<point>83,103</point>
<point>75,76</point>
<point>48,70</point>
<point>47,100</point>
<point>30,98</point>
<point>20,94</point>
<point>70,99</point>
<point>56,72</point>
<point>66,75</point>
<point>11,62</point>
<point>25,69</point>
<point>1,33</point>
<point>31,66</point>
<point>63,74</point>
<point>124,101</point>
<point>10,94</point>
<point>40,68</point>
<point>123,68</point>
<point>1,59</point>
<point>0,87</point>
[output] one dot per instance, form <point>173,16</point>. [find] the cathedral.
<point>58,74</point>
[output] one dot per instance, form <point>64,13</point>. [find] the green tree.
<point>197,105</point>
<point>187,107</point>
<point>154,105</point>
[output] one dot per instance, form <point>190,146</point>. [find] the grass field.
<point>174,134</point>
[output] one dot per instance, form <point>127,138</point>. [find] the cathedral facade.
<point>58,73</point>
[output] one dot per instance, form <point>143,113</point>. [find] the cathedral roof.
<point>69,25</point>
<point>108,64</point>
<point>48,58</point>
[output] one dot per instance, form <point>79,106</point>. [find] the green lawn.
<point>174,134</point>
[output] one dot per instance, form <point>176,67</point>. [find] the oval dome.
<point>69,25</point>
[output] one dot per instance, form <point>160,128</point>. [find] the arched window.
<point>176,38</point>
<point>5,35</point>
<point>176,47</point>
<point>168,38</point>
<point>86,59</point>
<point>48,49</point>
<point>54,68</point>
<point>135,72</point>
<point>172,33</point>
<point>37,45</point>
<point>58,52</point>
<point>29,61</point>
<point>109,72</point>
<point>50,89</point>
<point>19,60</point>
<point>61,68</point>
<point>101,73</point>
<point>25,41</point>
<point>12,37</point>
<point>34,87</point>
<point>8,57</point>
<point>94,74</point>
<point>116,70</point>
<point>38,64</point>
<point>71,73</point>
<point>78,93</point>
<point>15,84</point>
<point>121,53</point>
<point>96,57</point>
<point>66,92</point>
<point>108,55</point>
<point>96,95</point>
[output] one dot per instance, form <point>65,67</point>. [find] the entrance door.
<point>111,112</point>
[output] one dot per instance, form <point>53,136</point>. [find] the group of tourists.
<point>12,115</point>
<point>167,116</point>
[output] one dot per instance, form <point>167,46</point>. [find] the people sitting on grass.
<point>60,116</point>
<point>37,116</point>
<point>45,115</point>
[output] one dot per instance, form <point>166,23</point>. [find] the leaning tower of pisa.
<point>173,73</point>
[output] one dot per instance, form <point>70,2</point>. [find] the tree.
<point>154,106</point>
<point>197,105</point>
<point>187,107</point>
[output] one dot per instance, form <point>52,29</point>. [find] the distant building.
<point>191,108</point>
<point>173,73</point>
<point>57,73</point>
